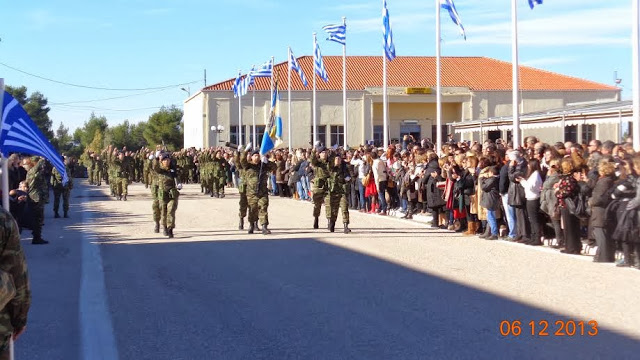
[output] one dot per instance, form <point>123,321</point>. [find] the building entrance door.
<point>413,130</point>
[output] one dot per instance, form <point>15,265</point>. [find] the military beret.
<point>254,152</point>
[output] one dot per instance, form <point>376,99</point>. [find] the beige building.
<point>474,89</point>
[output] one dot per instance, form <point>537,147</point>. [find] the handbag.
<point>366,180</point>
<point>391,183</point>
<point>578,207</point>
<point>516,197</point>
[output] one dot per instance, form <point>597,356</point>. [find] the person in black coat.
<point>489,183</point>
<point>600,198</point>
<point>518,168</point>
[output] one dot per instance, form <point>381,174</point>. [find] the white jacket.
<point>532,186</point>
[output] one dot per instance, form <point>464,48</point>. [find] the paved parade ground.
<point>107,287</point>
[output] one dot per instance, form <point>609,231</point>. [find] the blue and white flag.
<point>272,137</point>
<point>318,64</point>
<point>248,81</point>
<point>294,65</point>
<point>532,3</point>
<point>389,48</point>
<point>237,86</point>
<point>21,135</point>
<point>266,70</point>
<point>451,7</point>
<point>337,33</point>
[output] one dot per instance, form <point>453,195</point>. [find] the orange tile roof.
<point>476,73</point>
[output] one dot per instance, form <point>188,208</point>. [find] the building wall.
<point>193,121</point>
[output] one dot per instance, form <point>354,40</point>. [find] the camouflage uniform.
<point>91,166</point>
<point>13,317</point>
<point>256,188</point>
<point>336,198</point>
<point>321,175</point>
<point>155,201</point>
<point>121,177</point>
<point>167,195</point>
<point>61,190</point>
<point>242,190</point>
<point>219,176</point>
<point>39,195</point>
<point>97,172</point>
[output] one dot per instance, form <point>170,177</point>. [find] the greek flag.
<point>294,65</point>
<point>20,134</point>
<point>318,64</point>
<point>449,6</point>
<point>389,48</point>
<point>237,86</point>
<point>266,70</point>
<point>337,33</point>
<point>532,3</point>
<point>248,81</point>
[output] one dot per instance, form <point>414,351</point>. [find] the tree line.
<point>165,125</point>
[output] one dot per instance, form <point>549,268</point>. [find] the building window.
<point>259,133</point>
<point>588,133</point>
<point>444,130</point>
<point>413,130</point>
<point>571,134</point>
<point>378,135</point>
<point>322,134</point>
<point>233,134</point>
<point>337,135</point>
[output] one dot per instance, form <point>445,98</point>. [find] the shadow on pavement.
<point>306,299</point>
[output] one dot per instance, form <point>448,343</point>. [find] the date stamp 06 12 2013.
<point>544,328</point>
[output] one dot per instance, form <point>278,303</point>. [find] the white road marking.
<point>97,337</point>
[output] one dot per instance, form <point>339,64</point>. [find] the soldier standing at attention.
<point>60,189</point>
<point>167,193</point>
<point>320,165</point>
<point>155,201</point>
<point>38,194</point>
<point>242,186</point>
<point>256,172</point>
<point>13,315</point>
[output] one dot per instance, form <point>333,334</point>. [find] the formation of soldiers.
<point>164,173</point>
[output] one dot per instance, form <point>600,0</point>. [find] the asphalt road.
<point>107,287</point>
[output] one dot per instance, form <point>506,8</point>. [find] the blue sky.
<point>134,44</point>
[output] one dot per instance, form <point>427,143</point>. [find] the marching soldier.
<point>336,198</point>
<point>61,190</point>
<point>320,164</point>
<point>168,193</point>
<point>242,187</point>
<point>38,195</point>
<point>154,183</point>
<point>121,175</point>
<point>256,172</point>
<point>97,172</point>
<point>219,172</point>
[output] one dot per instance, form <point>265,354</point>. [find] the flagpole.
<point>5,164</point>
<point>239,113</point>
<point>315,127</point>
<point>438,84</point>
<point>385,119</point>
<point>635,38</point>
<point>253,107</point>
<point>514,53</point>
<point>344,84</point>
<point>273,67</point>
<point>289,98</point>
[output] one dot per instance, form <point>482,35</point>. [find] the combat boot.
<point>251,227</point>
<point>170,233</point>
<point>156,229</point>
<point>241,224</point>
<point>265,231</point>
<point>66,214</point>
<point>332,225</point>
<point>56,215</point>
<point>124,198</point>
<point>39,241</point>
<point>165,231</point>
<point>315,223</point>
<point>222,195</point>
<point>346,228</point>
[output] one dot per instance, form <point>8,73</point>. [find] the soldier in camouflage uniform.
<point>242,190</point>
<point>167,192</point>
<point>97,173</point>
<point>121,168</point>
<point>60,189</point>
<point>91,166</point>
<point>13,316</point>
<point>256,173</point>
<point>155,201</point>
<point>38,194</point>
<point>320,162</point>
<point>219,174</point>
<point>336,198</point>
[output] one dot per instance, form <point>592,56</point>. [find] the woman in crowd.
<point>567,188</point>
<point>549,200</point>
<point>600,199</point>
<point>532,185</point>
